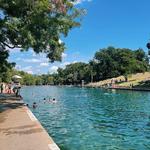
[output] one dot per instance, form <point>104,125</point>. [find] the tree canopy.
<point>107,63</point>
<point>73,74</point>
<point>5,66</point>
<point>37,24</point>
<point>112,62</point>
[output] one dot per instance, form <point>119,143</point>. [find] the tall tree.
<point>111,62</point>
<point>5,66</point>
<point>74,74</point>
<point>37,24</point>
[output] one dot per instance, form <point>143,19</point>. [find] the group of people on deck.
<point>6,88</point>
<point>10,88</point>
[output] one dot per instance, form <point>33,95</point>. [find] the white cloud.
<point>15,50</point>
<point>60,41</point>
<point>44,64</point>
<point>80,1</point>
<point>29,71</point>
<point>53,69</point>
<point>18,59</point>
<point>38,71</point>
<point>75,61</point>
<point>18,67</point>
<point>27,68</point>
<point>64,64</point>
<point>63,55</point>
<point>33,54</point>
<point>32,60</point>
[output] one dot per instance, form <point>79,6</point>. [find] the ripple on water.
<point>93,119</point>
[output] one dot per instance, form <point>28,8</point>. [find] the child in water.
<point>34,105</point>
<point>54,101</point>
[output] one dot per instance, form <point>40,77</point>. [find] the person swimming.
<point>54,100</point>
<point>44,100</point>
<point>34,105</point>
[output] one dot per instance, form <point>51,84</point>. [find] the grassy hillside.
<point>137,80</point>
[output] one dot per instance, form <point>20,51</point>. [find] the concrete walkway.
<point>19,129</point>
<point>128,88</point>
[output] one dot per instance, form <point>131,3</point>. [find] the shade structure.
<point>16,77</point>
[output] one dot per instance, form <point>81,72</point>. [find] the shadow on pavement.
<point>8,102</point>
<point>20,130</point>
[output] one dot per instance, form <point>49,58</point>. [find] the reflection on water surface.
<point>93,119</point>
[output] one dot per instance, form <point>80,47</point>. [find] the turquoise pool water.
<point>93,119</point>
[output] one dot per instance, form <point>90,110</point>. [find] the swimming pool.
<point>93,119</point>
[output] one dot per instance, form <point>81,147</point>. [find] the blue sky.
<point>118,23</point>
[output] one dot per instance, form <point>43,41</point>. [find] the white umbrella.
<point>16,77</point>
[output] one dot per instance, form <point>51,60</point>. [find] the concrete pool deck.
<point>129,88</point>
<point>19,128</point>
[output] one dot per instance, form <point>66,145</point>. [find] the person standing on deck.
<point>9,88</point>
<point>2,87</point>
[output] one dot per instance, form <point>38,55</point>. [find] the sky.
<point>118,23</point>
